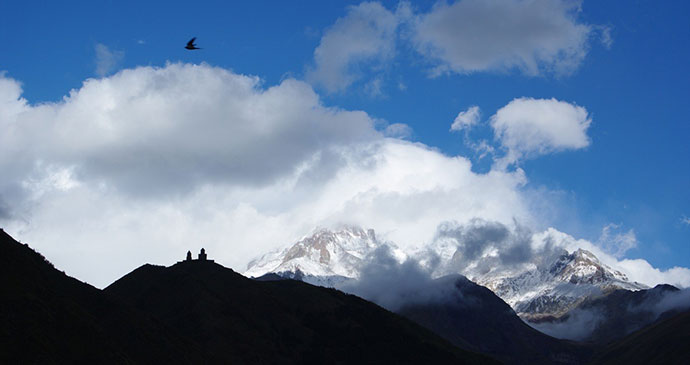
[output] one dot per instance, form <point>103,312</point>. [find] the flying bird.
<point>190,45</point>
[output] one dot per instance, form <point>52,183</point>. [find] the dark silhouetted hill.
<point>279,322</point>
<point>49,317</point>
<point>473,315</point>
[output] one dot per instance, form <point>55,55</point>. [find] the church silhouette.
<point>201,257</point>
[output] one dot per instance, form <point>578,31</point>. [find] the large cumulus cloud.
<point>153,130</point>
<point>152,161</point>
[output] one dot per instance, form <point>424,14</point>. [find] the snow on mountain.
<point>544,287</point>
<point>552,290</point>
<point>325,257</point>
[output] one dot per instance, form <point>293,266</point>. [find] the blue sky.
<point>629,72</point>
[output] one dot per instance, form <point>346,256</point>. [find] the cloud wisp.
<point>107,60</point>
<point>602,317</point>
<point>393,284</point>
<point>617,244</point>
<point>466,119</point>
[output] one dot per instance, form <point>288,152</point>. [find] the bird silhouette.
<point>190,45</point>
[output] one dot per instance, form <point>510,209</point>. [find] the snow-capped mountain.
<point>325,257</point>
<point>552,290</point>
<point>535,290</point>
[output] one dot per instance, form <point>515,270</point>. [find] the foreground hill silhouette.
<point>197,312</point>
<point>49,317</point>
<point>283,321</point>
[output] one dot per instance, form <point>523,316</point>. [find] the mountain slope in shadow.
<point>614,314</point>
<point>474,315</point>
<point>49,317</point>
<point>283,321</point>
<point>664,342</point>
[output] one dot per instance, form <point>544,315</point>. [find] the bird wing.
<point>191,42</point>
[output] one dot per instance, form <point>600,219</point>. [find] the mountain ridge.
<point>535,291</point>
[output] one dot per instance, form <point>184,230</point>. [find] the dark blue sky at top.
<point>636,172</point>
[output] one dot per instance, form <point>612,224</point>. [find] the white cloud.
<point>529,127</point>
<point>398,130</point>
<point>606,37</point>
<point>466,119</point>
<point>374,87</point>
<point>148,163</point>
<point>617,244</point>
<point>106,59</point>
<point>685,220</point>
<point>534,36</point>
<point>365,36</point>
<point>10,99</point>
<point>167,130</point>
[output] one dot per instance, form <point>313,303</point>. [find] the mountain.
<point>49,317</point>
<point>551,290</point>
<point>611,316</point>
<point>468,315</point>
<point>471,315</point>
<point>547,288</point>
<point>665,342</point>
<point>325,258</point>
<point>283,321</point>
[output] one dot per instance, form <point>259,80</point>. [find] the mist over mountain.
<point>536,277</point>
<point>561,293</point>
<point>613,315</point>
<point>467,314</point>
<point>664,342</point>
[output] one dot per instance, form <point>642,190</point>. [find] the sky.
<point>120,147</point>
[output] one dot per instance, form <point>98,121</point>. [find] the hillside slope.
<point>665,342</point>
<point>283,321</point>
<point>49,317</point>
<point>474,315</point>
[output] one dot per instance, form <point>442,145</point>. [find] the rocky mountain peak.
<point>324,252</point>
<point>582,266</point>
